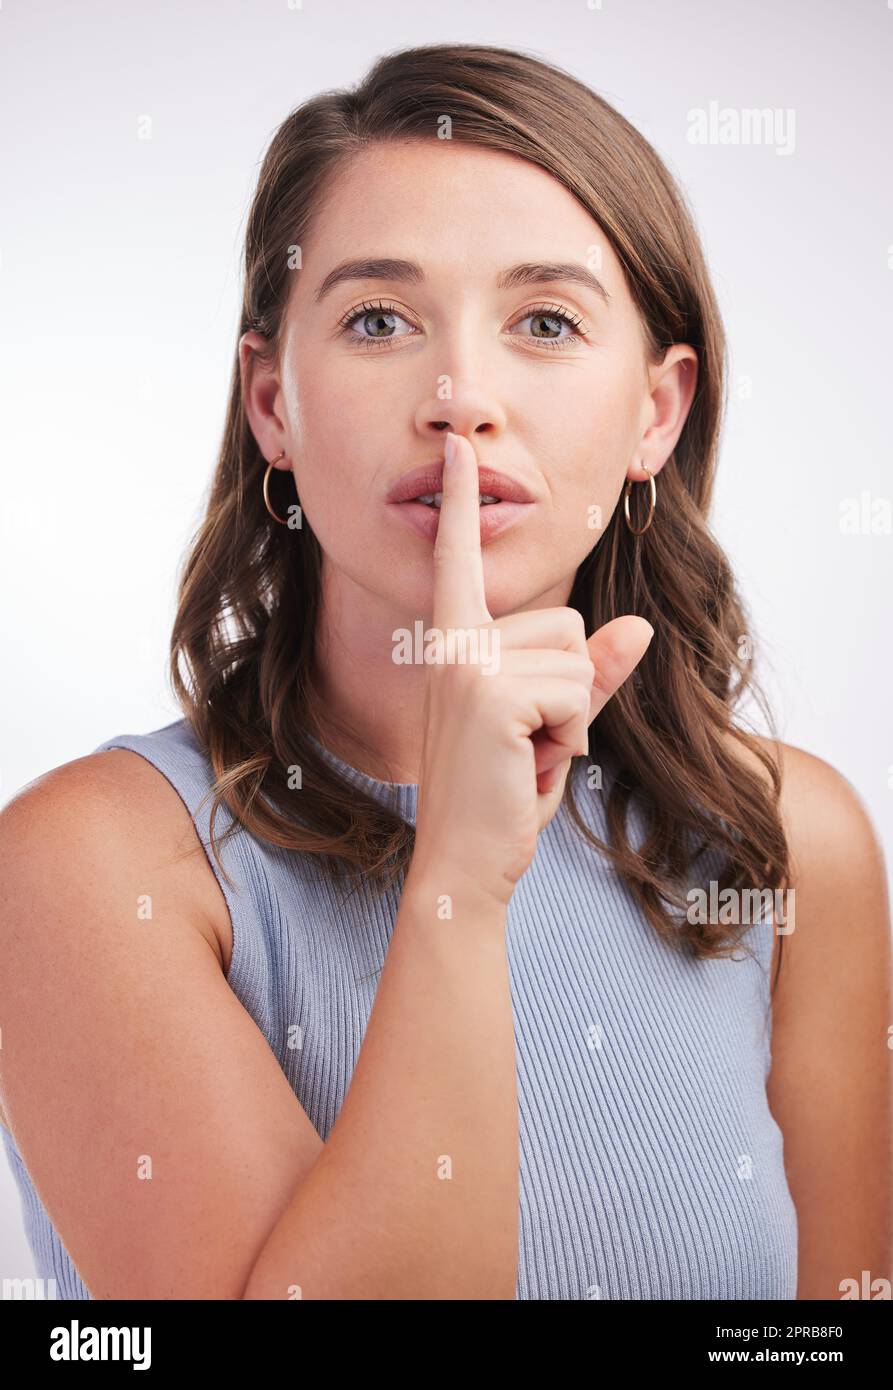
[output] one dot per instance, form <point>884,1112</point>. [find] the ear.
<point>260,393</point>
<point>672,384</point>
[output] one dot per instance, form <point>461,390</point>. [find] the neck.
<point>371,707</point>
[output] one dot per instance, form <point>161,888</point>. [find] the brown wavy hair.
<point>243,642</point>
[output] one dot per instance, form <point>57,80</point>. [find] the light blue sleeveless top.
<point>650,1164</point>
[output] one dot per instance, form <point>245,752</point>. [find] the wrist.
<point>439,886</point>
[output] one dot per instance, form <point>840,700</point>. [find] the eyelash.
<point>551,310</point>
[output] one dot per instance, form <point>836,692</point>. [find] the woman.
<point>442,1014</point>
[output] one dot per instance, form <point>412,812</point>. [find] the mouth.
<point>416,498</point>
<point>425,486</point>
<point>502,505</point>
<point>434,499</point>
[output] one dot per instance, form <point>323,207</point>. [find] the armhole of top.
<point>189,781</point>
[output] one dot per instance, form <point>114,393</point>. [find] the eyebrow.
<point>526,273</point>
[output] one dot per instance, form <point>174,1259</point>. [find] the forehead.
<point>455,208</point>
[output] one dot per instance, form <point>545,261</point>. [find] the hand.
<point>497,747</point>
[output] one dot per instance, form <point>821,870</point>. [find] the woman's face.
<point>544,374</point>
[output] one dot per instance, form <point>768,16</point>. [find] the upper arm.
<point>830,1085</point>
<point>158,1128</point>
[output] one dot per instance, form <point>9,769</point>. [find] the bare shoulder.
<point>125,1047</point>
<point>112,805</point>
<point>829,1085</point>
<point>838,876</point>
<point>117,803</point>
<point>828,826</point>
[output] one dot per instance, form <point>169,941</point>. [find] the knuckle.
<point>576,623</point>
<point>580,669</point>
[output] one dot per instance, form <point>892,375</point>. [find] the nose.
<point>467,412</point>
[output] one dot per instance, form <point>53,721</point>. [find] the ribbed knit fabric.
<point>650,1163</point>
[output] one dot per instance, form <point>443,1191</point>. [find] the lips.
<point>494,519</point>
<point>419,482</point>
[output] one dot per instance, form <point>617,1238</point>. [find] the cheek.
<point>591,429</point>
<point>339,415</point>
<point>585,459</point>
<point>326,436</point>
<point>342,390</point>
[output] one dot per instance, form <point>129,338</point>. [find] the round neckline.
<point>366,776</point>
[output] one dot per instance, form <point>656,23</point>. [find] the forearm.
<point>415,1194</point>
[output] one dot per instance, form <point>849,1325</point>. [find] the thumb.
<point>615,650</point>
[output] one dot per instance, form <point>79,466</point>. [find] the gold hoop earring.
<point>652,500</point>
<point>270,466</point>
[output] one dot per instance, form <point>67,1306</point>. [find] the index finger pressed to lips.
<point>459,592</point>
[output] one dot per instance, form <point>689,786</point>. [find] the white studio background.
<point>119,285</point>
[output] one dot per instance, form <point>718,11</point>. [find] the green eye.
<point>378,321</point>
<point>381,321</point>
<point>554,317</point>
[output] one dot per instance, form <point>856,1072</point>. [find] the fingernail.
<point>449,453</point>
